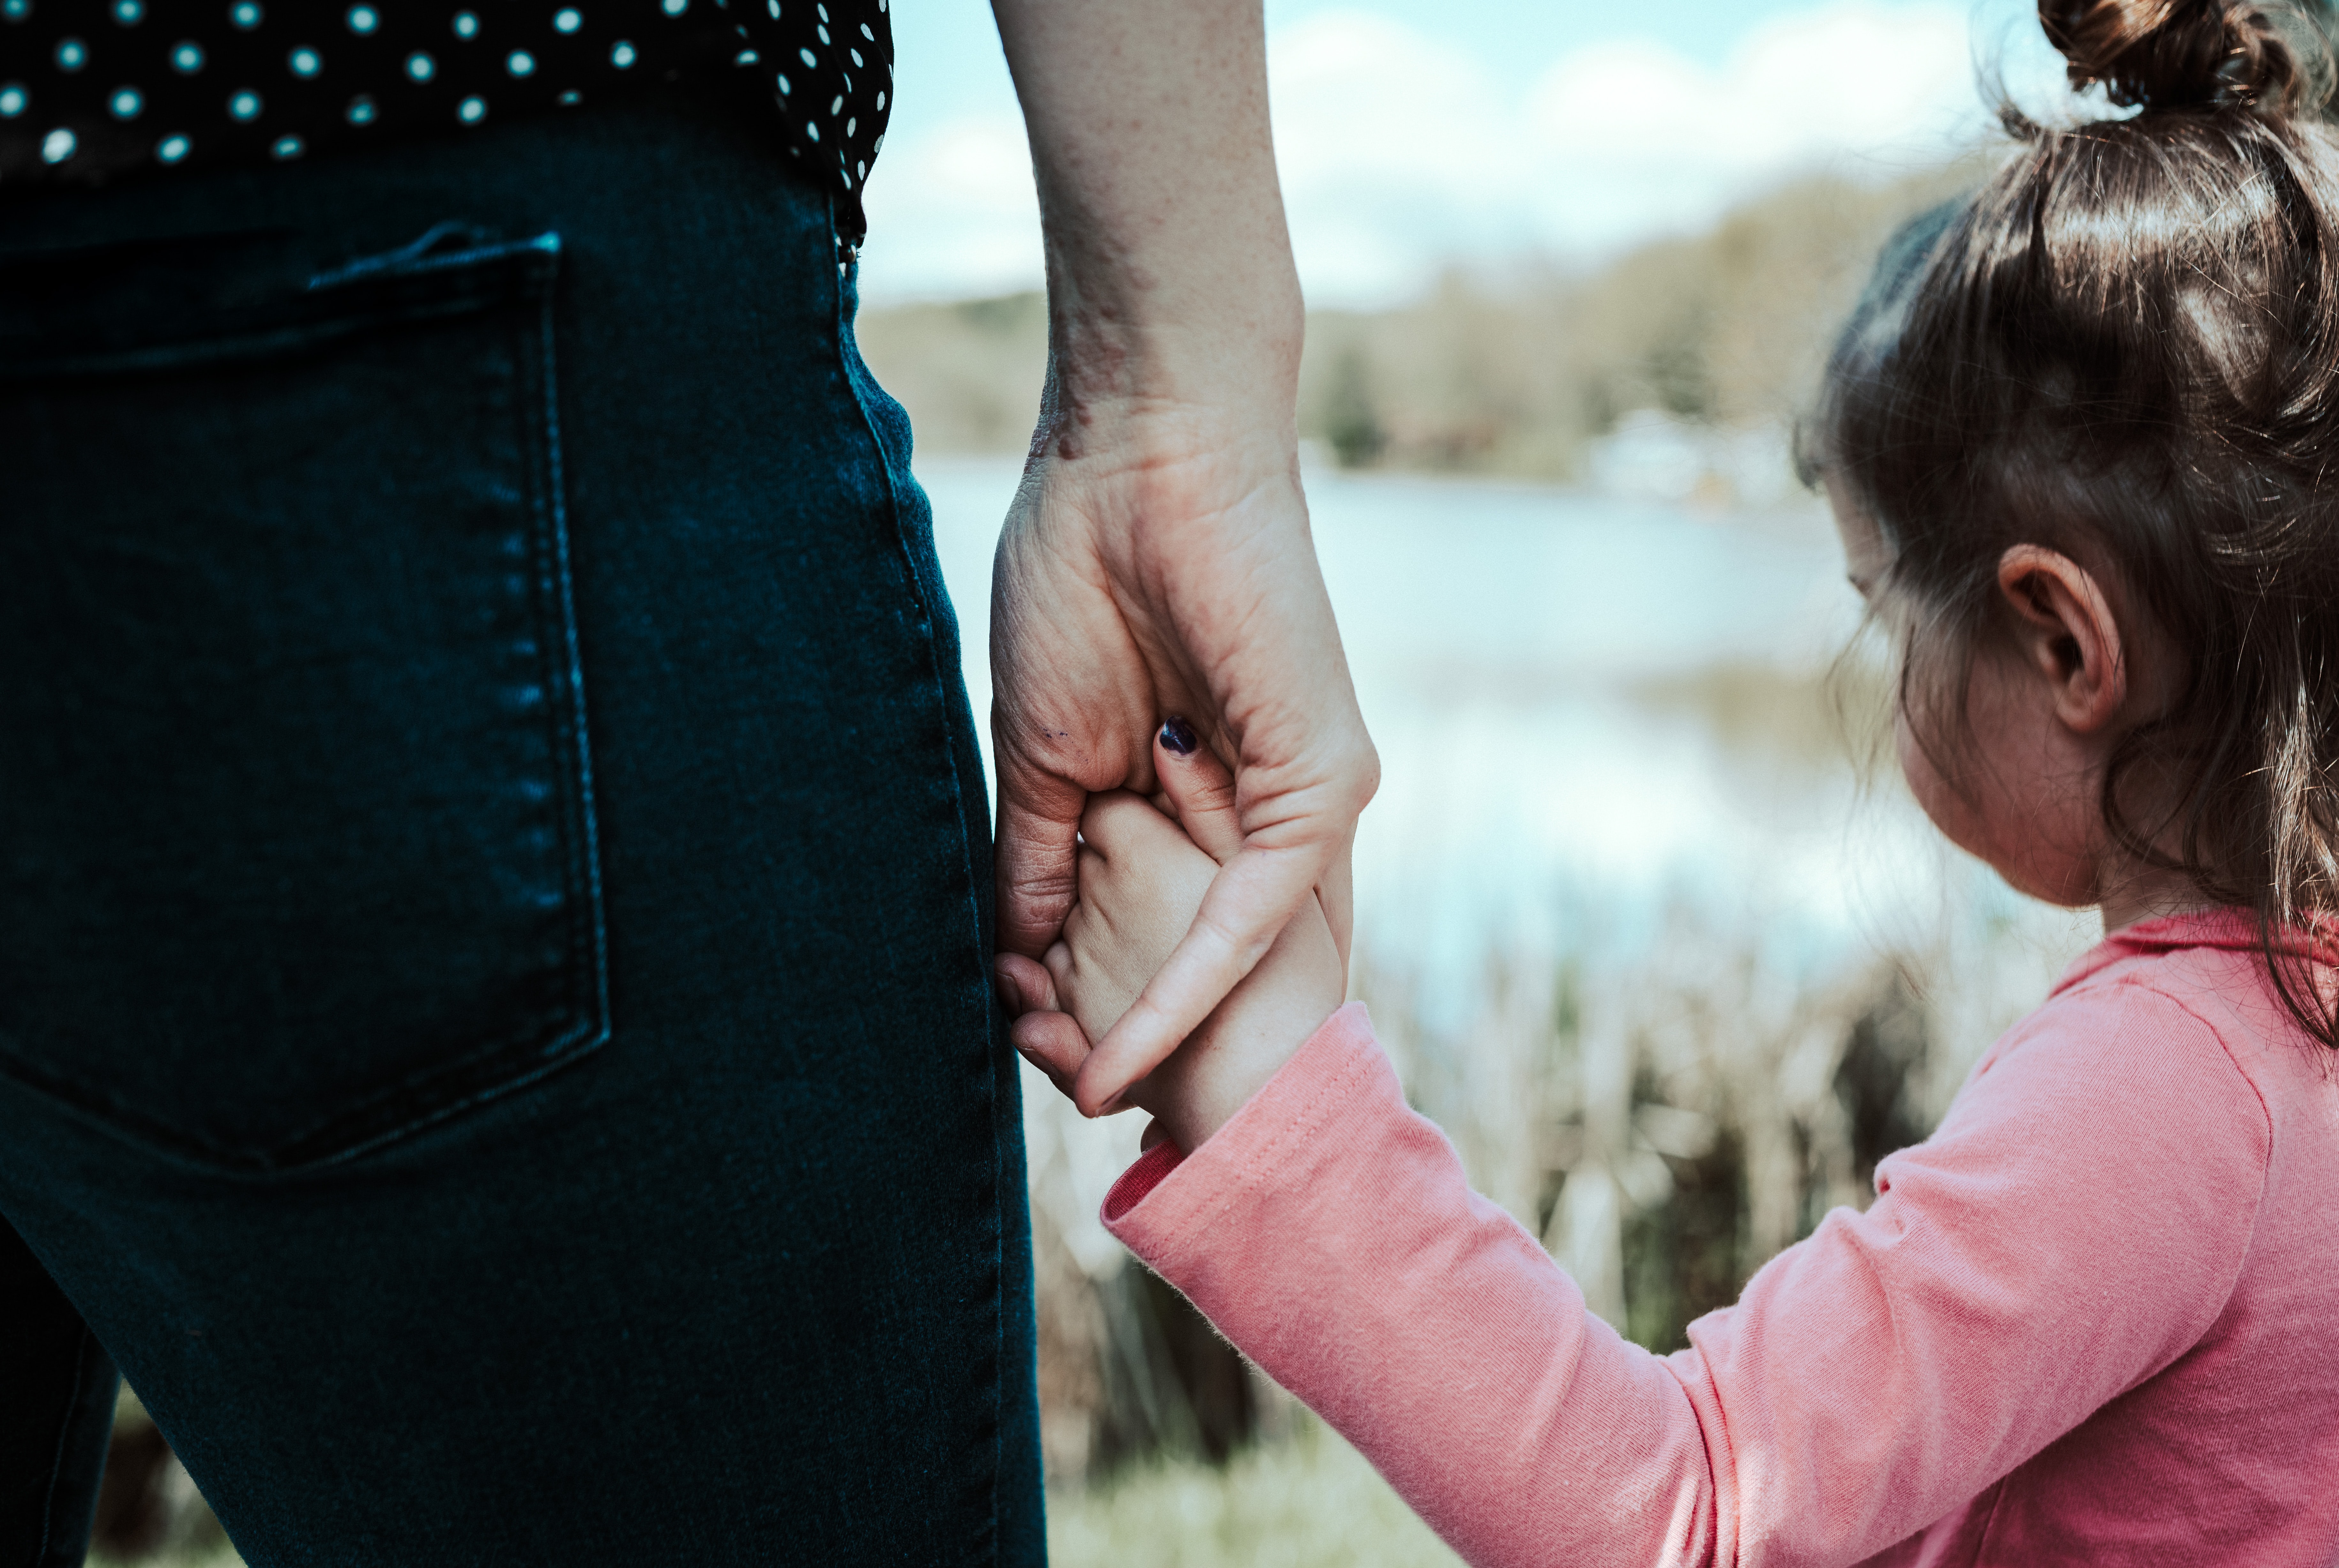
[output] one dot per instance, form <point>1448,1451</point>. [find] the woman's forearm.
<point>1157,562</point>
<point>1169,273</point>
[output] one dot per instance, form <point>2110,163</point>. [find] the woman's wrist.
<point>1120,368</point>
<point>1170,270</point>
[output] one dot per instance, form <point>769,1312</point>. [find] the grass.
<point>1304,1501</point>
<point>1310,1501</point>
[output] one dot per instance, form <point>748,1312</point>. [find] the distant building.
<point>1653,455</point>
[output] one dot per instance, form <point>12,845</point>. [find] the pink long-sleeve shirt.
<point>2092,1319</point>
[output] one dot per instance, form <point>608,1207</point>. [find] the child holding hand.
<point>2080,439</point>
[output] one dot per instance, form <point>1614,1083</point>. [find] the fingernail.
<point>1178,736</point>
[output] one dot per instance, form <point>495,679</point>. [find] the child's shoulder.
<point>2139,1070</point>
<point>2201,976</point>
<point>2179,1011</point>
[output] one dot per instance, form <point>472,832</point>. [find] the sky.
<point>1408,144</point>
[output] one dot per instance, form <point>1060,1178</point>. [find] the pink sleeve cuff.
<point>1166,1191</point>
<point>1149,1170</point>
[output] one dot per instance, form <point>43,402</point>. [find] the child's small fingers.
<point>1200,790</point>
<point>1053,1042</point>
<point>1058,971</point>
<point>1024,985</point>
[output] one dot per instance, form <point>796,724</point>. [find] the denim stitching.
<point>858,383</point>
<point>43,1558</point>
<point>583,1024</point>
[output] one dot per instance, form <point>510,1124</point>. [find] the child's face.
<point>2019,787</point>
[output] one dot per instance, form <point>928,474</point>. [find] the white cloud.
<point>1616,143</point>
<point>1395,152</point>
<point>1400,154</point>
<point>953,212</point>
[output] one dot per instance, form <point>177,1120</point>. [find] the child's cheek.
<point>1947,810</point>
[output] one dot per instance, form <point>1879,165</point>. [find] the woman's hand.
<point>1141,879</point>
<point>1158,559</point>
<point>1185,587</point>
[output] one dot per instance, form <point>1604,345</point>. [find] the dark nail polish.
<point>1178,736</point>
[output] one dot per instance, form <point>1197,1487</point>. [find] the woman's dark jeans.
<point>495,1038</point>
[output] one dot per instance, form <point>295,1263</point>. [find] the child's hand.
<point>1141,879</point>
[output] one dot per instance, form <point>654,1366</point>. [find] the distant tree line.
<point>1512,374</point>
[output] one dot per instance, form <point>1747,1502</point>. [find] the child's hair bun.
<point>2176,53</point>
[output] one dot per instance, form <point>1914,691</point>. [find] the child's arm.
<point>2075,1227</point>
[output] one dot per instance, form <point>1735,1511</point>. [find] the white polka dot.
<point>363,19</point>
<point>856,55</point>
<point>849,124</point>
<point>57,147</point>
<point>621,54</point>
<point>467,25</point>
<point>245,15</point>
<point>674,7</point>
<point>16,10</point>
<point>863,167</point>
<point>782,80</point>
<point>881,100</point>
<point>287,147</point>
<point>471,111</point>
<point>72,54</point>
<point>129,12</point>
<point>821,11</point>
<point>821,33</point>
<point>571,98</point>
<point>13,100</point>
<point>812,130</point>
<point>521,62</point>
<point>244,106</point>
<point>846,178</point>
<point>171,149</point>
<point>186,58</point>
<point>361,110</point>
<point>812,61</point>
<point>125,102</point>
<point>421,66</point>
<point>566,20</point>
<point>304,62</point>
<point>775,7</point>
<point>746,57</point>
<point>867,34</point>
<point>836,106</point>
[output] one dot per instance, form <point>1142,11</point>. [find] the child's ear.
<point>2067,635</point>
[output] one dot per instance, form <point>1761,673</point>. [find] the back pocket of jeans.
<point>296,830</point>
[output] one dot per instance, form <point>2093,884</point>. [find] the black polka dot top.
<point>91,89</point>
